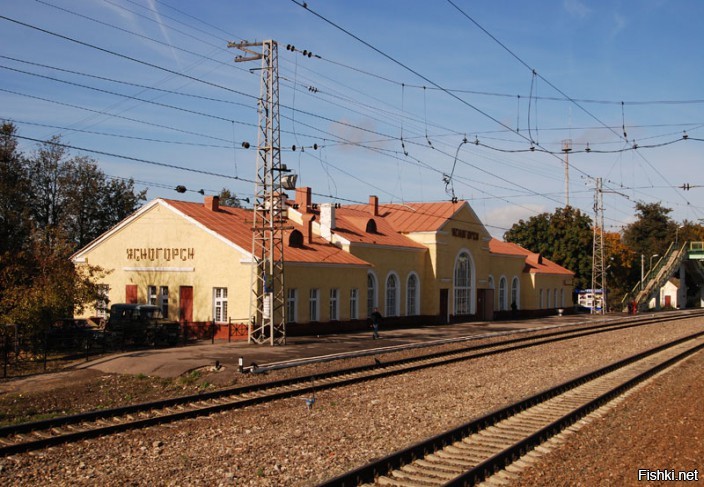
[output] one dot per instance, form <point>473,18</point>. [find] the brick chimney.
<point>374,205</point>
<point>212,203</point>
<point>308,228</point>
<point>303,199</point>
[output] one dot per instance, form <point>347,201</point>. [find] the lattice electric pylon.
<point>267,303</point>
<point>598,271</point>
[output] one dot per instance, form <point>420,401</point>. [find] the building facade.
<point>417,262</point>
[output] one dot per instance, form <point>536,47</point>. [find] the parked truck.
<point>140,324</point>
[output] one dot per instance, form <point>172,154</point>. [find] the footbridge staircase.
<point>659,274</point>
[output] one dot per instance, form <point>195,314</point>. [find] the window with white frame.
<point>562,297</point>
<point>371,293</point>
<point>555,302</point>
<point>547,297</point>
<point>515,293</point>
<point>220,304</point>
<point>164,300</point>
<point>463,284</point>
<point>103,301</point>
<point>502,294</point>
<point>354,304</point>
<point>151,295</point>
<point>314,305</point>
<point>541,300</point>
<point>291,299</point>
<point>392,295</point>
<point>334,308</point>
<point>412,295</point>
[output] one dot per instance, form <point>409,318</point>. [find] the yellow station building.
<point>418,263</point>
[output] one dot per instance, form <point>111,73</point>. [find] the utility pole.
<point>566,148</point>
<point>267,302</point>
<point>598,272</point>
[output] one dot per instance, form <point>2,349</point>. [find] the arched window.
<point>412,294</point>
<point>541,300</point>
<point>371,226</point>
<point>371,293</point>
<point>515,293</point>
<point>547,297</point>
<point>562,297</point>
<point>463,284</point>
<point>556,304</point>
<point>503,306</point>
<point>392,295</point>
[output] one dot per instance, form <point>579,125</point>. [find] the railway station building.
<point>419,263</point>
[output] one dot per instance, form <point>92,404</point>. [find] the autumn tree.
<point>51,205</point>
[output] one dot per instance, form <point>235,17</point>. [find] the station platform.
<point>177,361</point>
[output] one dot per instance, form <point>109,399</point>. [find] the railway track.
<point>45,433</point>
<point>473,452</point>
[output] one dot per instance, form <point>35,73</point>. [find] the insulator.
<point>305,52</point>
<point>180,189</point>
<point>293,148</point>
<point>245,145</point>
<point>315,146</point>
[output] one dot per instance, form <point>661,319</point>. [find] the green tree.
<point>50,205</point>
<point>565,237</point>
<point>14,193</point>
<point>228,198</point>
<point>652,232</point>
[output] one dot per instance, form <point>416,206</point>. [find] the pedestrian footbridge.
<point>671,263</point>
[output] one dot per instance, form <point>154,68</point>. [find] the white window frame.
<point>391,294</point>
<point>334,304</point>
<point>555,302</point>
<point>164,300</point>
<point>412,295</point>
<point>314,304</point>
<point>463,285</point>
<point>372,293</point>
<point>151,294</point>
<point>516,292</point>
<point>354,303</point>
<point>503,298</point>
<point>562,297</point>
<point>542,302</point>
<point>291,305</point>
<point>220,304</point>
<point>103,301</point>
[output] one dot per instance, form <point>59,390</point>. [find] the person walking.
<point>376,320</point>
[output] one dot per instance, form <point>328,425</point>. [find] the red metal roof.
<point>535,263</point>
<point>235,225</point>
<point>414,217</point>
<point>351,224</point>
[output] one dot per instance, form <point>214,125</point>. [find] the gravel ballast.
<point>286,443</point>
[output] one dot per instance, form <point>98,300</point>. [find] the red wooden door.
<point>185,305</point>
<point>131,294</point>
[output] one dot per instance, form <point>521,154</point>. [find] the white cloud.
<point>506,216</point>
<point>576,8</point>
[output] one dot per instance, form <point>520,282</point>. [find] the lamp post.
<point>650,266</point>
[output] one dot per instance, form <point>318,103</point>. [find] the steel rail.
<point>483,469</point>
<point>44,433</point>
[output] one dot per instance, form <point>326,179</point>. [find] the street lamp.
<point>650,266</point>
<point>642,268</point>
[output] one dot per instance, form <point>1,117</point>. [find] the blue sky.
<point>392,90</point>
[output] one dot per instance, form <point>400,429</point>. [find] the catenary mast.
<point>267,303</point>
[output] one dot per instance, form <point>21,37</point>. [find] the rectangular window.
<point>102,303</point>
<point>313,305</point>
<point>334,313</point>
<point>151,294</point>
<point>220,304</point>
<point>291,296</point>
<point>354,293</point>
<point>164,300</point>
